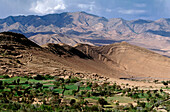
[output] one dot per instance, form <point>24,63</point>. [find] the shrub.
<point>74,80</point>
<point>165,83</point>
<point>72,101</point>
<point>56,83</point>
<point>155,81</point>
<point>94,108</point>
<point>39,77</point>
<point>6,77</point>
<point>88,94</point>
<point>67,81</point>
<point>102,101</point>
<point>18,80</point>
<point>47,77</point>
<point>1,83</point>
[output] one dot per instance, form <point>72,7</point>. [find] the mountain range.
<point>81,27</point>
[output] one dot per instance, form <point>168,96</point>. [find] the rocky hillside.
<point>136,61</point>
<point>20,56</point>
<point>81,27</point>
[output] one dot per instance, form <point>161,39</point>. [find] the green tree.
<point>72,101</point>
<point>18,80</point>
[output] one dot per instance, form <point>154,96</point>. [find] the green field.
<point>58,94</point>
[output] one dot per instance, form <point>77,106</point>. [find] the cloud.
<point>131,11</point>
<point>127,9</point>
<point>87,7</point>
<point>47,6</point>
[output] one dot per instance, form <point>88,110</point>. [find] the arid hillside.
<point>135,61</point>
<point>20,56</point>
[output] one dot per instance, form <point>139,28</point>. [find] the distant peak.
<point>141,21</point>
<point>117,19</point>
<point>163,20</point>
<point>88,13</point>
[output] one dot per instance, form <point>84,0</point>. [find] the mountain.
<point>20,56</point>
<point>42,39</point>
<point>81,27</point>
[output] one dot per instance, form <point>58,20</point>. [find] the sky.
<point>126,9</point>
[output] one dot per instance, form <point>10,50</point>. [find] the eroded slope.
<point>136,61</point>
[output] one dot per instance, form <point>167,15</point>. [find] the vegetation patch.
<point>47,93</point>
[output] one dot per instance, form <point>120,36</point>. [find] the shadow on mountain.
<point>101,41</point>
<point>79,53</point>
<point>141,21</point>
<point>158,50</point>
<point>32,33</point>
<point>162,33</point>
<point>78,33</point>
<point>66,51</point>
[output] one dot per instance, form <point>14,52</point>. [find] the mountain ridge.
<point>82,27</point>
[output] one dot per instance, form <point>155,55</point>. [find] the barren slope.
<point>20,56</point>
<point>135,61</point>
<point>41,39</point>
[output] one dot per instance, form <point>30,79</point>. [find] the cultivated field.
<point>53,93</point>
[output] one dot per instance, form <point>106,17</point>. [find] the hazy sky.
<point>127,9</point>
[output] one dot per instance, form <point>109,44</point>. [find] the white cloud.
<point>47,6</point>
<point>91,6</point>
<point>131,11</point>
